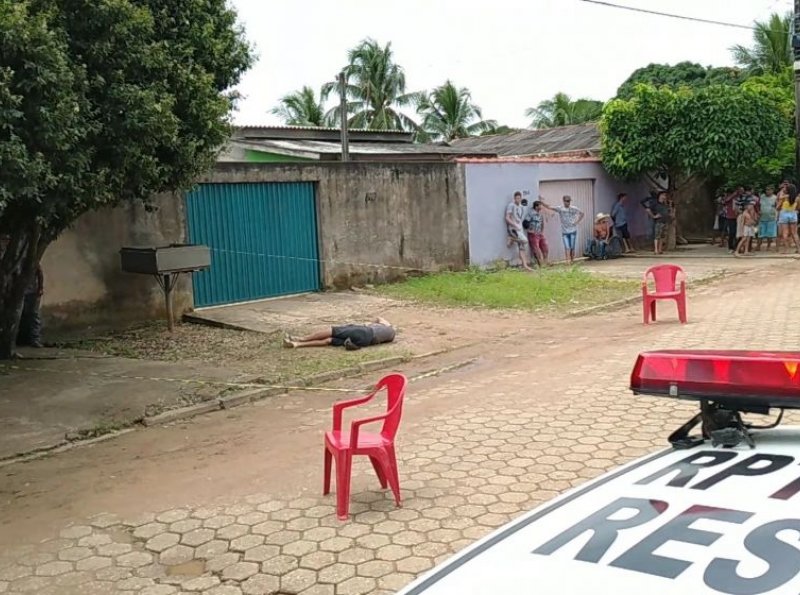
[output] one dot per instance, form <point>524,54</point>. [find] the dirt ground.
<point>265,447</point>
<point>506,423</point>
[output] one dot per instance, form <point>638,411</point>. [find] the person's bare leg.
<point>314,343</point>
<point>523,256</point>
<point>318,336</point>
<point>537,253</point>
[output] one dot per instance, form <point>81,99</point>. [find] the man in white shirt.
<point>515,213</point>
<point>570,218</point>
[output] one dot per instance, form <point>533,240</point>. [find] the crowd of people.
<point>747,221</point>
<point>610,234</point>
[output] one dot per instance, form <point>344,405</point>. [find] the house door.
<point>263,240</point>
<point>582,194</point>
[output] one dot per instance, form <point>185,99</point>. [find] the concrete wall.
<point>84,285</point>
<point>376,220</point>
<point>491,186</point>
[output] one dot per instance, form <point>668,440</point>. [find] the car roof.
<point>698,520</point>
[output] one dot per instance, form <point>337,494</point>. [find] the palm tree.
<point>376,89</point>
<point>562,110</point>
<point>448,113</point>
<point>772,47</point>
<point>302,108</point>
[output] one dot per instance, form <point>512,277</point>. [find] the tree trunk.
<point>18,262</point>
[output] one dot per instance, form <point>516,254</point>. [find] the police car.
<point>719,512</point>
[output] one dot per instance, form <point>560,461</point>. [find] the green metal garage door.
<point>263,240</point>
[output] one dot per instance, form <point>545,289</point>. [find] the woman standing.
<point>787,217</point>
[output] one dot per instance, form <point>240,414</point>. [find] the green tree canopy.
<point>375,87</point>
<point>448,113</point>
<point>103,102</point>
<point>683,74</point>
<point>302,108</point>
<point>711,131</point>
<point>562,110</point>
<point>771,52</point>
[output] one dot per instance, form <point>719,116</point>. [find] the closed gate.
<point>263,240</point>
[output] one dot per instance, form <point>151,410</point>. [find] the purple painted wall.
<point>490,186</point>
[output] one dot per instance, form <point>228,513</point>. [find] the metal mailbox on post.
<point>166,263</point>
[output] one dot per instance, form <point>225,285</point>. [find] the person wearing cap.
<point>601,235</point>
<point>570,218</point>
<point>351,336</point>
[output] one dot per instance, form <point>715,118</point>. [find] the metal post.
<point>796,51</point>
<point>343,116</point>
<point>168,285</point>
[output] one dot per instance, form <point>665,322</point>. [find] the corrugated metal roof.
<point>567,139</point>
<point>324,150</point>
<point>317,128</point>
<point>580,157</point>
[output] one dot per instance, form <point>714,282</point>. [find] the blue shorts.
<point>787,217</point>
<point>767,229</point>
<point>569,239</point>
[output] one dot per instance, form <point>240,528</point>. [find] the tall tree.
<point>771,52</point>
<point>688,135</point>
<point>448,113</point>
<point>562,110</point>
<point>302,108</point>
<point>103,102</point>
<point>376,89</point>
<point>683,74</point>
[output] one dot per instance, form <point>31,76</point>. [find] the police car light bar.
<point>735,379</point>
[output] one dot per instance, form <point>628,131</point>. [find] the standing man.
<point>515,213</point>
<point>648,204</point>
<point>570,219</point>
<point>29,333</point>
<point>662,215</point>
<point>536,237</point>
<point>620,218</point>
<point>731,213</point>
<point>30,323</point>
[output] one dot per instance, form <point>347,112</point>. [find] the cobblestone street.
<point>533,415</point>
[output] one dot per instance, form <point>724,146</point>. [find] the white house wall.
<point>491,186</point>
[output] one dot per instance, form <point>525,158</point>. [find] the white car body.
<point>698,520</point>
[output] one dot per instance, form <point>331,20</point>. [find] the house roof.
<point>359,151</point>
<point>320,134</point>
<point>580,139</point>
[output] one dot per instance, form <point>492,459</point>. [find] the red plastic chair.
<point>344,445</point>
<point>666,278</point>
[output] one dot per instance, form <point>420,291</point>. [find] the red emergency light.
<point>737,379</point>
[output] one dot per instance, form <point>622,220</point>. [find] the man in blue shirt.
<point>620,218</point>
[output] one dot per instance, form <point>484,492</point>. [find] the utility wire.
<point>670,15</point>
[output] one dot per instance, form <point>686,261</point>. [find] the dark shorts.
<point>623,231</point>
<point>359,335</point>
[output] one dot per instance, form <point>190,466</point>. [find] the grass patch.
<point>550,288</point>
<point>240,351</point>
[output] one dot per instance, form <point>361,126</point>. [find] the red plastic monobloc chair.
<point>666,278</point>
<point>344,445</point>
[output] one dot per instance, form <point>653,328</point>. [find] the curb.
<point>635,298</point>
<point>257,394</point>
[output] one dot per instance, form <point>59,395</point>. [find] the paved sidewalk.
<point>479,446</point>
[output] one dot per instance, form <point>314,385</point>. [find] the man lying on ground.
<point>352,336</point>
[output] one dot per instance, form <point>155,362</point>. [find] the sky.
<point>511,54</point>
